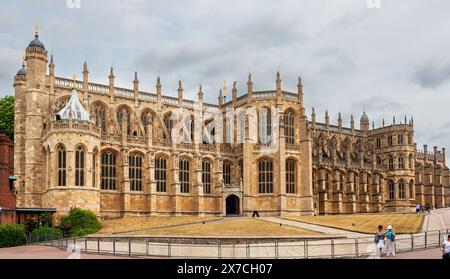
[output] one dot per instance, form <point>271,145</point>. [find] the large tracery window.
<point>184,174</point>
<point>161,174</point>
<point>135,172</point>
<point>79,166</point>
<point>265,126</point>
<point>289,128</point>
<point>227,173</point>
<point>265,168</point>
<point>62,165</point>
<point>206,176</point>
<point>290,176</point>
<point>109,175</point>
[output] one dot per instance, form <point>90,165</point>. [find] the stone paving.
<point>44,252</point>
<point>438,219</point>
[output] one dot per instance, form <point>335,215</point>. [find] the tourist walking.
<point>445,248</point>
<point>418,206</point>
<point>390,241</point>
<point>379,240</point>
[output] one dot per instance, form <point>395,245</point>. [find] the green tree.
<point>7,116</point>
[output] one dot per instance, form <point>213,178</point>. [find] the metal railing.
<point>238,249</point>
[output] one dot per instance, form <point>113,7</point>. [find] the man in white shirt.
<point>445,248</point>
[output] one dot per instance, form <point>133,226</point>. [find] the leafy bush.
<point>46,220</point>
<point>45,233</point>
<point>31,224</point>
<point>12,235</point>
<point>82,222</point>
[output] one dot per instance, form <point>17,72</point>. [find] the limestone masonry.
<point>127,152</point>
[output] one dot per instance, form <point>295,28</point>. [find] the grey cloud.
<point>432,75</point>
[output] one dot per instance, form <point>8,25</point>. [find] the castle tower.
<point>32,111</point>
<point>20,86</point>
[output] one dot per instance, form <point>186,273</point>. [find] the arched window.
<point>391,163</point>
<point>206,176</point>
<point>168,125</point>
<point>289,128</point>
<point>265,168</point>
<point>227,173</point>
<point>391,190</point>
<point>401,163</point>
<point>265,126</point>
<point>135,172</point>
<point>161,174</point>
<point>100,116</point>
<point>291,172</point>
<point>401,190</point>
<point>62,165</point>
<point>124,114</point>
<point>184,174</point>
<point>79,166</point>
<point>109,175</point>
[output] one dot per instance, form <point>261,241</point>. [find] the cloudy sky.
<point>392,60</point>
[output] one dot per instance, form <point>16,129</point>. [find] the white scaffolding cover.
<point>74,109</point>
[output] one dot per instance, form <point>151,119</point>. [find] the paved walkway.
<point>316,228</point>
<point>44,252</point>
<point>438,219</point>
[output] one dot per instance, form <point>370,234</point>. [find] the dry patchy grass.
<point>242,227</point>
<point>128,224</point>
<point>367,223</point>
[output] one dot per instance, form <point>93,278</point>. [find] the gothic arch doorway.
<point>232,205</point>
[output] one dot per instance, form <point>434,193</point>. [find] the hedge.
<point>12,235</point>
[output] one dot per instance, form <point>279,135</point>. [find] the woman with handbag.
<point>379,240</point>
